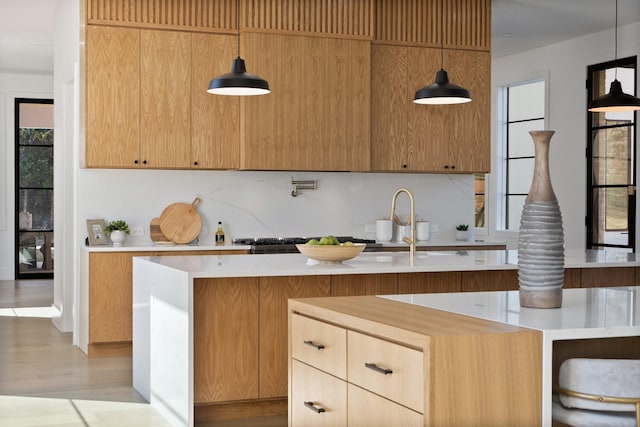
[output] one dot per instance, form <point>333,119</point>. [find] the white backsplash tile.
<point>259,204</point>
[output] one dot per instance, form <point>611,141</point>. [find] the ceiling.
<point>26,27</point>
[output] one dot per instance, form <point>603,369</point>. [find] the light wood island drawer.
<point>366,409</point>
<point>319,344</point>
<point>388,369</point>
<point>319,399</point>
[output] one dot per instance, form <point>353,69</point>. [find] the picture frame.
<point>95,232</point>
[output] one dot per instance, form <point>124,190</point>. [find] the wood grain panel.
<point>490,384</point>
<point>427,132</point>
<point>225,339</point>
<point>571,278</point>
<point>368,409</point>
<point>467,23</point>
<point>110,296</point>
<point>112,97</point>
<point>468,136</point>
<point>274,295</point>
<point>335,17</point>
<point>215,120</point>
<point>420,283</point>
<point>317,115</point>
<point>364,284</point>
<point>389,108</point>
<point>165,125</point>
<point>490,280</point>
<point>201,15</point>
<point>607,276</point>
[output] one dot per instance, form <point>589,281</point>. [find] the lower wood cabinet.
<point>107,289</point>
<point>341,377</point>
<point>409,366</point>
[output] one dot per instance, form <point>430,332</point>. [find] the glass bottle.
<point>219,235</point>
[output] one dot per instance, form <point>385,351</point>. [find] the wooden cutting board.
<point>181,222</point>
<point>156,234</point>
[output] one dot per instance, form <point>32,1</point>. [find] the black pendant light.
<point>238,82</point>
<point>616,99</point>
<point>442,92</point>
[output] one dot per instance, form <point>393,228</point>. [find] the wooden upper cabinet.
<point>215,120</point>
<point>165,99</point>
<point>112,96</point>
<point>428,138</point>
<point>317,114</point>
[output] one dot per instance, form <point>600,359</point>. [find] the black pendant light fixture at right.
<point>442,91</point>
<point>616,99</point>
<point>238,82</point>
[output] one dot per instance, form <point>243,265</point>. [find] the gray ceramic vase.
<point>541,241</point>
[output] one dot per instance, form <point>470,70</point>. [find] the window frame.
<point>496,198</point>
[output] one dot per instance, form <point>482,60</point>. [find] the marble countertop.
<point>165,248</point>
<point>601,309</point>
<point>374,263</point>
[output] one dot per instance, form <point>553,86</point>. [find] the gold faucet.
<point>412,221</point>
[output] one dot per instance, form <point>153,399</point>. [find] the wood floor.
<point>47,381</point>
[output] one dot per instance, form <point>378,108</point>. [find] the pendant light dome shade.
<point>615,100</point>
<point>238,82</point>
<point>442,92</point>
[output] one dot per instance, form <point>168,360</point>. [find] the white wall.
<point>566,65</point>
<point>13,86</point>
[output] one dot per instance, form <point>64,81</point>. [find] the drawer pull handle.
<point>316,346</point>
<point>378,369</point>
<point>316,409</point>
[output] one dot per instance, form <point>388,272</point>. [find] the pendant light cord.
<point>442,34</point>
<point>238,23</point>
<point>615,62</point>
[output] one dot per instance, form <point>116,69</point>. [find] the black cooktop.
<point>271,245</point>
<point>258,241</point>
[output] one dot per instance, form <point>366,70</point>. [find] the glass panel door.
<point>34,188</point>
<point>611,157</point>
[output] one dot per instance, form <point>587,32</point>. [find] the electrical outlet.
<point>369,228</point>
<point>435,228</point>
<point>138,230</point>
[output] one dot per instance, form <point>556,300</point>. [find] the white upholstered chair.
<point>598,392</point>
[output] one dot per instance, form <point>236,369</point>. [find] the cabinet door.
<point>366,409</point>
<point>274,293</point>
<point>317,398</point>
<point>364,284</point>
<point>110,296</point>
<point>165,84</point>
<point>225,336</point>
<point>317,115</point>
<point>112,97</point>
<point>389,108</point>
<point>468,125</point>
<point>215,120</point>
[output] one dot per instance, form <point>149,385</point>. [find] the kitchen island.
<point>210,332</point>
<point>483,359</point>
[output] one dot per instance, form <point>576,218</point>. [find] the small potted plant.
<point>117,231</point>
<point>462,232</point>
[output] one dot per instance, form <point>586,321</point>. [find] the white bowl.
<point>331,254</point>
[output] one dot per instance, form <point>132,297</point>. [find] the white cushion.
<point>603,377</point>
<point>587,418</point>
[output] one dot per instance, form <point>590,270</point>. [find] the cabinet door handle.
<point>378,368</point>
<point>314,408</point>
<point>314,345</point>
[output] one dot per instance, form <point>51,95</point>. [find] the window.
<point>523,110</point>
<point>480,200</point>
<point>34,188</point>
<point>611,160</point>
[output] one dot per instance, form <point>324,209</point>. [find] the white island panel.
<point>163,340</point>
